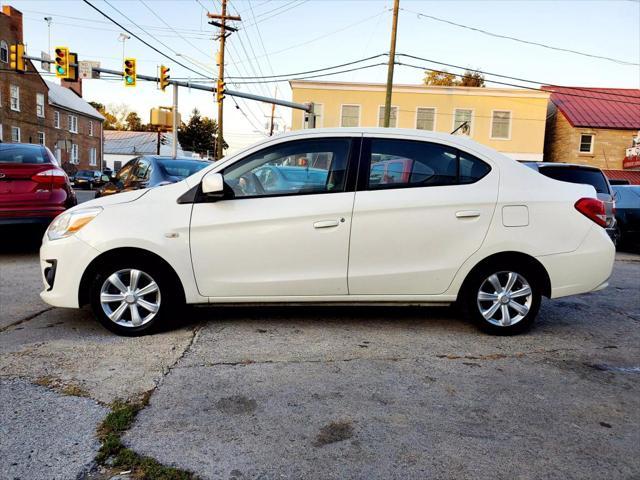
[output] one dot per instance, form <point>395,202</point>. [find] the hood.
<point>124,197</point>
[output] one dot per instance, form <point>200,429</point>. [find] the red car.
<point>33,188</point>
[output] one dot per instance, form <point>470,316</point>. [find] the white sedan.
<point>335,216</point>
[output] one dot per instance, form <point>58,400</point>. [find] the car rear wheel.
<point>132,298</point>
<point>503,300</point>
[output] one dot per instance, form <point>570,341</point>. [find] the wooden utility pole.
<point>392,61</point>
<point>222,24</point>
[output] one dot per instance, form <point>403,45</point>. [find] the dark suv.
<point>572,173</point>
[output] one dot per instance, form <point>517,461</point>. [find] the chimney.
<point>75,87</point>
<point>15,21</point>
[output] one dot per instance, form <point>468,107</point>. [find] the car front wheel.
<point>503,300</point>
<point>131,298</point>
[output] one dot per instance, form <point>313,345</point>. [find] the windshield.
<point>23,154</point>
<point>587,176</point>
<point>180,168</point>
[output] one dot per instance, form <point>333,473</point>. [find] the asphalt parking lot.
<point>319,392</point>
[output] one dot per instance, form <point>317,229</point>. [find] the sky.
<point>290,36</point>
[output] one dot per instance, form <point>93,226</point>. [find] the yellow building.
<point>510,120</point>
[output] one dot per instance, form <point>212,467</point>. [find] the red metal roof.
<point>632,175</point>
<point>598,107</point>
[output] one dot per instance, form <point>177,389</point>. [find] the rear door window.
<point>586,176</point>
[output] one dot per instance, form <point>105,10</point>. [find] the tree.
<point>133,122</point>
<point>199,134</point>
<point>470,78</point>
<point>110,121</point>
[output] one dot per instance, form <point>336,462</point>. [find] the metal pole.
<point>174,126</point>
<point>392,60</point>
<point>223,37</point>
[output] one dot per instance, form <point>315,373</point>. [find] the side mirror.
<point>213,185</point>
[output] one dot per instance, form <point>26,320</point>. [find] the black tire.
<point>167,300</point>
<point>479,279</point>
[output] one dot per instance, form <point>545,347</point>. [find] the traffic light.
<point>220,91</point>
<point>62,62</point>
<point>16,53</point>
<point>73,71</point>
<point>164,77</point>
<point>129,72</point>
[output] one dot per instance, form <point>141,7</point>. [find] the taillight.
<point>54,176</point>
<point>593,209</point>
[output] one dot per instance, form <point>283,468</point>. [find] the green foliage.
<point>133,122</point>
<point>199,134</point>
<point>444,78</point>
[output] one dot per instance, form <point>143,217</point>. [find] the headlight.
<point>69,223</point>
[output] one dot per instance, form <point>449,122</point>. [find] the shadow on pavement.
<point>21,239</point>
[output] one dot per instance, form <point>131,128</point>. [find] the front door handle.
<point>467,214</point>
<point>326,224</point>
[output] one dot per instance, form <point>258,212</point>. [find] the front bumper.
<point>71,256</point>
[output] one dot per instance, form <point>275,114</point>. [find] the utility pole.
<point>222,24</point>
<point>174,123</point>
<point>392,61</point>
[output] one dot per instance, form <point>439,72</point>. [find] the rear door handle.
<point>467,214</point>
<point>326,224</point>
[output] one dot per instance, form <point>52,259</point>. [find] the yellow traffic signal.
<point>62,62</point>
<point>129,72</point>
<point>220,87</point>
<point>164,77</point>
<point>16,60</point>
<point>73,71</point>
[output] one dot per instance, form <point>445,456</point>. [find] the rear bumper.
<point>584,270</point>
<point>29,216</point>
<point>71,256</point>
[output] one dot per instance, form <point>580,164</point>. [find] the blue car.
<point>627,212</point>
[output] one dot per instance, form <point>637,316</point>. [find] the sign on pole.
<point>86,69</point>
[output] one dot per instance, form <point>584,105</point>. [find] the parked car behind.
<point>567,172</point>
<point>89,179</point>
<point>627,212</point>
<point>33,188</point>
<point>469,225</point>
<point>151,171</point>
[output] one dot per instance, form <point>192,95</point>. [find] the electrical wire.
<point>515,39</point>
<point>314,76</point>
<point>263,17</point>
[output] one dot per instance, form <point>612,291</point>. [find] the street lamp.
<point>123,37</point>
<point>48,20</point>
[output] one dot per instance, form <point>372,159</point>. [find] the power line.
<point>263,17</point>
<point>515,39</point>
<point>143,41</point>
<point>313,76</point>
<point>582,89</point>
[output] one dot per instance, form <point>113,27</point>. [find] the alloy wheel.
<point>504,298</point>
<point>130,298</point>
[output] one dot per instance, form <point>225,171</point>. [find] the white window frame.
<point>593,141</point>
<point>40,105</point>
<point>493,112</point>
<point>72,123</point>
<point>16,89</point>
<point>93,156</point>
<point>1,134</point>
<point>91,128</point>
<point>381,120</point>
<point>56,119</point>
<point>75,154</point>
<point>44,138</point>
<point>453,121</point>
<point>435,118</point>
<point>351,105</point>
<point>15,129</point>
<point>4,47</point>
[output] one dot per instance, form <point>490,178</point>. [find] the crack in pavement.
<point>167,370</point>
<point>25,319</point>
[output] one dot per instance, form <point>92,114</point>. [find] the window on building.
<point>426,119</point>
<point>92,157</point>
<point>41,138</point>
<point>586,143</point>
<point>318,109</point>
<point>460,116</point>
<point>90,128</point>
<point>1,136</point>
<point>56,119</point>
<point>350,116</point>
<point>15,134</point>
<point>4,52</point>
<point>393,118</point>
<point>15,97</point>
<point>40,104</point>
<point>75,158</point>
<point>501,124</point>
<point>73,124</point>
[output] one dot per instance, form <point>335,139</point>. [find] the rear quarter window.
<point>21,154</point>
<point>586,176</point>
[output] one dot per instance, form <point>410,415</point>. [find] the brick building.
<point>595,127</point>
<point>33,110</point>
